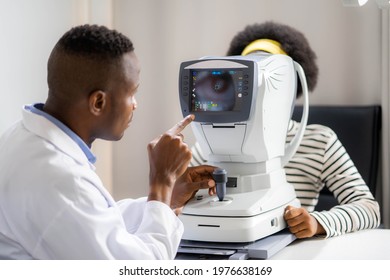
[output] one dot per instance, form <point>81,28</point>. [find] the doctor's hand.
<point>301,223</point>
<point>169,157</point>
<point>194,179</point>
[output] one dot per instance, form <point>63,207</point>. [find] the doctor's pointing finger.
<point>180,126</point>
<point>169,158</point>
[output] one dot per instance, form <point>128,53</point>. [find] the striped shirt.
<point>322,161</point>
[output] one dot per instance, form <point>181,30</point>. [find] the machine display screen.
<point>214,90</point>
<point>217,90</point>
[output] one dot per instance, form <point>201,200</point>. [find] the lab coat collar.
<point>46,129</point>
<point>38,109</point>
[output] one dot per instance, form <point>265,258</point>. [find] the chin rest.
<point>358,128</point>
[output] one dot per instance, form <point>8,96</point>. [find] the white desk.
<point>366,244</point>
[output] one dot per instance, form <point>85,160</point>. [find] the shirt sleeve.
<point>357,207</point>
<point>87,228</point>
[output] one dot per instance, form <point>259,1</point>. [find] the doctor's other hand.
<point>301,223</point>
<point>194,179</point>
<point>169,158</point>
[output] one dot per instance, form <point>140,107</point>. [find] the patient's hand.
<point>301,223</point>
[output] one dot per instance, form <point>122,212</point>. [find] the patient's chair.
<point>358,128</point>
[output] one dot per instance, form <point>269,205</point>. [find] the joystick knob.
<point>220,178</point>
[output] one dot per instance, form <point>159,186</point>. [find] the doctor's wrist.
<point>160,193</point>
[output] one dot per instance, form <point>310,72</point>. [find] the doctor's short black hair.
<point>84,59</point>
<point>292,41</point>
<point>95,40</point>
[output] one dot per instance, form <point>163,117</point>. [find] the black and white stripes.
<point>322,161</point>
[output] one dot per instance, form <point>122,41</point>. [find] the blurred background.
<point>352,46</point>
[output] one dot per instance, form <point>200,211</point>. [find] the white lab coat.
<point>54,206</point>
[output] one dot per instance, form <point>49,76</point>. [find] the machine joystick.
<point>220,178</point>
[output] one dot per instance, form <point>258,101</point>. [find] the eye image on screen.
<point>216,90</point>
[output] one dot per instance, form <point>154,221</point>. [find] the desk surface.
<point>365,244</point>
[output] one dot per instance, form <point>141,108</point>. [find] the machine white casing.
<point>252,151</point>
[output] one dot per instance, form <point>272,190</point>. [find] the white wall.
<point>29,31</point>
<point>25,45</point>
<point>346,40</point>
<point>385,176</point>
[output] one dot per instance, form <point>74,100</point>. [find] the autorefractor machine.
<point>242,107</point>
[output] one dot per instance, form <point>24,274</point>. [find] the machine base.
<point>260,249</point>
<point>235,229</point>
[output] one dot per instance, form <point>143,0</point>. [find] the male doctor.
<point>52,203</point>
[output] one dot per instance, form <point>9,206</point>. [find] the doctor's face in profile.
<point>122,98</point>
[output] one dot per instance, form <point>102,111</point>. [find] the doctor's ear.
<point>97,102</point>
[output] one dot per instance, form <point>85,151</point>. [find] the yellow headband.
<point>267,45</point>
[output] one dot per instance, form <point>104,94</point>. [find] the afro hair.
<point>293,42</point>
